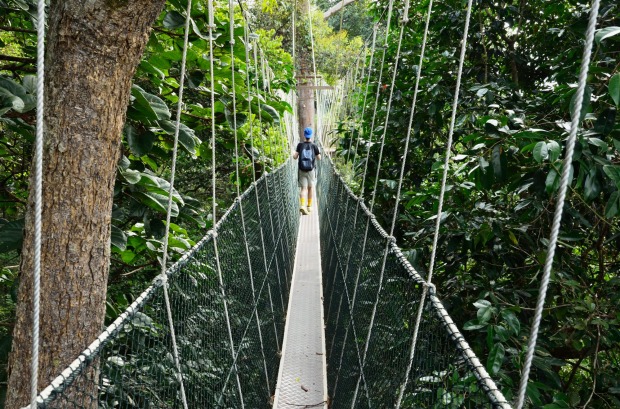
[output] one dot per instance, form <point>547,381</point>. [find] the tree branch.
<point>17,30</point>
<point>17,59</point>
<point>336,8</point>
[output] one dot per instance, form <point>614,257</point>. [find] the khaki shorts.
<point>306,178</point>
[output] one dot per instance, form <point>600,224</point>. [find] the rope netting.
<point>445,371</point>
<point>131,365</point>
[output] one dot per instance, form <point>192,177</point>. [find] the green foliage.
<point>516,99</point>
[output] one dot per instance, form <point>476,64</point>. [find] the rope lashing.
<point>38,199</point>
<point>177,127</point>
<point>559,207</point>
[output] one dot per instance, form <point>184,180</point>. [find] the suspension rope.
<point>213,201</point>
<point>231,14</point>
<point>390,239</point>
<point>38,199</point>
<point>162,274</point>
<point>557,218</point>
<point>400,182</point>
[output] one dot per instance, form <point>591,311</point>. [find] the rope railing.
<point>444,372</point>
<point>133,357</point>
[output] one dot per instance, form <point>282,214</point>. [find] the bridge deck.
<point>302,378</point>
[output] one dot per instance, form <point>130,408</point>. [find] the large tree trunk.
<point>94,47</point>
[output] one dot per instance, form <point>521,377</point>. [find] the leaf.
<point>554,150</point>
<point>8,100</point>
<point>187,138</point>
<point>613,205</point>
<point>118,238</point>
<point>473,325</point>
<point>606,32</point>
<point>174,20</point>
<point>614,88</point>
<point>139,143</point>
<point>157,202</point>
<point>613,173</point>
<point>552,182</point>
<point>11,235</point>
<point>496,358</point>
<point>598,143</point>
<point>540,152</point>
<point>151,106</point>
<point>132,176</point>
<point>513,322</point>
<point>271,111</point>
<point>592,186</point>
<point>30,84</point>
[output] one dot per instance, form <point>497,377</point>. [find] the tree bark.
<point>94,47</point>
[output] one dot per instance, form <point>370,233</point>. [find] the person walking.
<point>307,153</point>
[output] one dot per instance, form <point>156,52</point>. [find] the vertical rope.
<point>163,276</point>
<point>38,198</point>
<point>231,14</point>
<point>400,181</point>
<point>557,218</point>
<point>441,196</point>
<point>214,204</point>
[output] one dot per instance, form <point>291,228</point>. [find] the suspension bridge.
<point>274,309</point>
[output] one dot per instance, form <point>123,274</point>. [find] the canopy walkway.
<point>272,308</point>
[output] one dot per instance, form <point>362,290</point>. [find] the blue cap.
<point>308,133</point>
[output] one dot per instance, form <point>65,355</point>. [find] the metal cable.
<point>557,218</point>
<point>38,198</point>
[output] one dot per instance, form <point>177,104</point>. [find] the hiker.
<point>307,152</point>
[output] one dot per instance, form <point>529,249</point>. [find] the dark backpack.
<point>306,157</point>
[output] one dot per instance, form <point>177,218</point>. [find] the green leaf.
<point>606,32</point>
<point>118,238</point>
<point>496,358</point>
<point>187,138</point>
<point>157,202</point>
<point>11,235</point>
<point>271,111</point>
<point>513,322</point>
<point>174,20</point>
<point>613,205</point>
<point>614,89</point>
<point>139,143</point>
<point>30,84</point>
<point>613,173</point>
<point>598,143</point>
<point>132,176</point>
<point>151,106</point>
<point>473,325</point>
<point>540,152</point>
<point>8,100</point>
<point>592,186</point>
<point>554,150</point>
<point>552,182</point>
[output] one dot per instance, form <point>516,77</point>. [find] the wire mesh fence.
<point>131,365</point>
<point>370,315</point>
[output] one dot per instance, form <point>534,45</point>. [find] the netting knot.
<point>391,239</point>
<point>213,233</point>
<point>431,288</point>
<point>160,280</point>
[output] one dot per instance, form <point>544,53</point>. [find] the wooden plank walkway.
<point>302,380</point>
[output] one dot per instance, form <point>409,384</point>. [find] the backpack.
<point>306,157</point>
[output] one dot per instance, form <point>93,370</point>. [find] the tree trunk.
<point>94,47</point>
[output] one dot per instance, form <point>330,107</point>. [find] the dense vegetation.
<point>520,77</point>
